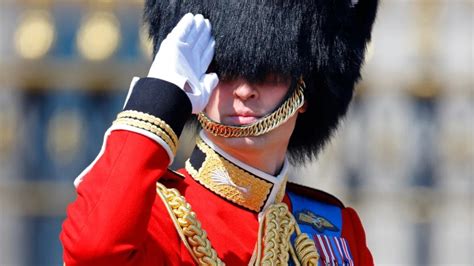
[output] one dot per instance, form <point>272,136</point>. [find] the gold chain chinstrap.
<point>273,247</point>
<point>262,126</point>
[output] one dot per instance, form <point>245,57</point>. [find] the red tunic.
<point>118,219</point>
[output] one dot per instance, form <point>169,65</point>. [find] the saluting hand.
<point>183,58</point>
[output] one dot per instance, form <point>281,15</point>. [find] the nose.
<point>245,91</point>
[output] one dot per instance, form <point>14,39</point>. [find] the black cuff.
<point>161,99</point>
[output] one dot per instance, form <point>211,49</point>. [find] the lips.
<point>239,119</point>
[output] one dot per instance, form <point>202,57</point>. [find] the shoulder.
<point>304,200</point>
<point>313,195</point>
<point>324,217</point>
<point>318,212</point>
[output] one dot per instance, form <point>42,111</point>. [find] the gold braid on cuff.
<point>152,119</point>
<point>271,121</point>
<point>149,123</point>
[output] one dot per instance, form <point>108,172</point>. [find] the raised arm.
<point>107,223</point>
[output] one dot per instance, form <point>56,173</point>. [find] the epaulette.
<point>314,194</point>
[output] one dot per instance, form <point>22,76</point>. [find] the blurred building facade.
<point>403,157</point>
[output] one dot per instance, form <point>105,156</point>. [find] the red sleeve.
<point>107,223</point>
<point>353,232</point>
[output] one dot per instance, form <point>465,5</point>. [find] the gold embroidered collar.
<point>234,180</point>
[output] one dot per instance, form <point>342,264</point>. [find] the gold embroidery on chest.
<point>229,181</point>
<point>281,192</point>
<point>273,247</point>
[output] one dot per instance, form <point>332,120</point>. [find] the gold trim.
<point>274,235</point>
<point>273,245</point>
<point>190,169</point>
<point>306,251</point>
<point>152,119</point>
<point>281,192</point>
<point>148,127</point>
<point>230,181</point>
<point>188,226</point>
<point>262,126</point>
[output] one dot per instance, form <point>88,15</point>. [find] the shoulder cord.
<point>188,227</point>
<point>276,225</point>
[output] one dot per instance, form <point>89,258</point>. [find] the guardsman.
<point>268,84</point>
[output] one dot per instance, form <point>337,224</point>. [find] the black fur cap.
<point>323,40</point>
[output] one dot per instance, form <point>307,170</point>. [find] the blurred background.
<point>403,158</point>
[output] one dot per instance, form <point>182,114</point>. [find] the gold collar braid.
<point>263,125</point>
<point>226,177</point>
<point>273,247</point>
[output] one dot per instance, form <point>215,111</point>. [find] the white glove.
<point>183,58</point>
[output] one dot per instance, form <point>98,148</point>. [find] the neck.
<point>268,160</point>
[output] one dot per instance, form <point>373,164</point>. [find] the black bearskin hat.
<point>322,40</point>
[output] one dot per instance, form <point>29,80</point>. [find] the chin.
<point>244,143</point>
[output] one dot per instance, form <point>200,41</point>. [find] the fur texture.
<point>323,40</point>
